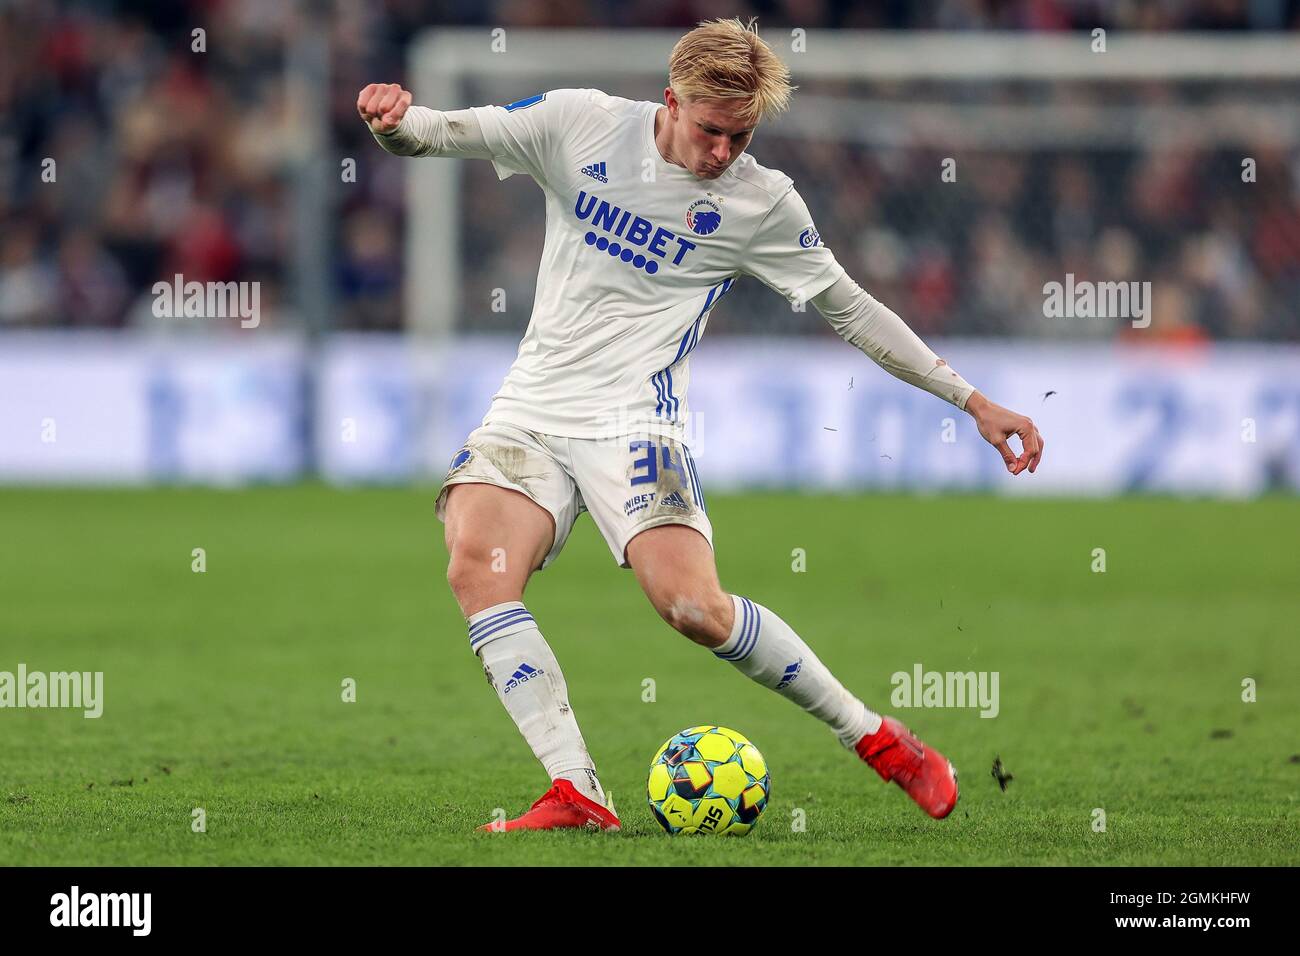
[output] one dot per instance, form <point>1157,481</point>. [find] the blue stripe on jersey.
<point>664,377</point>
<point>685,345</point>
<point>657,381</point>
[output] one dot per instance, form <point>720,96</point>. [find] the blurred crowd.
<point>972,257</point>
<point>126,157</point>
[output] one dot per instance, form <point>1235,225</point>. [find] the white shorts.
<point>630,484</point>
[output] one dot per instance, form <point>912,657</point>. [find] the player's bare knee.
<point>474,581</point>
<point>463,577</point>
<point>693,615</point>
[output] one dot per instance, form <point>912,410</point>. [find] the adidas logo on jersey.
<point>525,673</point>
<point>791,674</point>
<point>597,172</point>
<point>675,500</point>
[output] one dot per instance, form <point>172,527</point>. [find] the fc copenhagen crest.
<point>703,217</point>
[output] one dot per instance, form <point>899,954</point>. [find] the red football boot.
<point>896,754</point>
<point>562,808</point>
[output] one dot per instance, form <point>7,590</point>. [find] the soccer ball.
<point>708,780</point>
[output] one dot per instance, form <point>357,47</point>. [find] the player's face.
<point>710,137</point>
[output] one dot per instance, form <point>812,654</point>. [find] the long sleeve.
<point>522,137</point>
<point>886,339</point>
<point>428,132</point>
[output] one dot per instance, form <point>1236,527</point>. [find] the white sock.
<point>526,676</point>
<point>765,649</point>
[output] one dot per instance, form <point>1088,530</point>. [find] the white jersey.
<point>637,252</point>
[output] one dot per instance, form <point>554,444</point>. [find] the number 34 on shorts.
<point>661,478</point>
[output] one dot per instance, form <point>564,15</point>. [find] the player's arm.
<point>407,130</point>
<point>528,136</point>
<point>885,338</point>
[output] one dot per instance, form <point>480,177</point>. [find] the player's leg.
<point>674,565</point>
<point>645,497</point>
<point>508,507</point>
<point>495,539</point>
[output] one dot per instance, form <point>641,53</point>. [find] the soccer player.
<point>652,214</point>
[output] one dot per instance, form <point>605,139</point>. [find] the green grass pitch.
<point>1119,690</point>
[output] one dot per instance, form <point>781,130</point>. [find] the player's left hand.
<point>997,424</point>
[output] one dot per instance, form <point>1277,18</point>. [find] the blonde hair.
<point>725,60</point>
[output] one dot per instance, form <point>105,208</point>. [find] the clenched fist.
<point>382,106</point>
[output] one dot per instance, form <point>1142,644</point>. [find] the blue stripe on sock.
<point>500,615</point>
<point>758,624</point>
<point>478,638</point>
<point>748,639</point>
<point>475,642</point>
<point>484,626</point>
<point>743,621</point>
<point>749,634</point>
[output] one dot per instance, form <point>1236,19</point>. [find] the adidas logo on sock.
<point>791,675</point>
<point>597,172</point>
<point>675,500</point>
<point>525,673</point>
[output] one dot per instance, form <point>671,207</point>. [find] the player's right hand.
<point>382,106</point>
<point>997,424</point>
